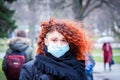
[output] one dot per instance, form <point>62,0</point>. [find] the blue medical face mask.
<point>56,50</point>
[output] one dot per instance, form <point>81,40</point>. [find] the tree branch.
<point>62,4</point>
<point>116,23</point>
<point>84,8</point>
<point>95,4</point>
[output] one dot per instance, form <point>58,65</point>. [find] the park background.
<point>100,17</point>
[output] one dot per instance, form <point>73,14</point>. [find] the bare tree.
<point>85,7</point>
<point>107,17</point>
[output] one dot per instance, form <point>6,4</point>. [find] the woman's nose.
<point>59,44</point>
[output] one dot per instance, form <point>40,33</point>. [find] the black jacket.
<point>50,68</point>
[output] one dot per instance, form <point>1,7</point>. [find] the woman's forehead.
<point>54,34</point>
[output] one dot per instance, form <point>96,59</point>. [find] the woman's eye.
<point>64,41</point>
<point>54,40</point>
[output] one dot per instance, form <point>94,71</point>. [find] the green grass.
<point>2,76</point>
<point>3,45</point>
<point>117,59</point>
<point>100,51</point>
<point>100,59</point>
<point>116,51</point>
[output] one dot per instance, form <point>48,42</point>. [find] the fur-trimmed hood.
<point>18,43</point>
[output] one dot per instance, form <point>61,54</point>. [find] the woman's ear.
<point>46,41</point>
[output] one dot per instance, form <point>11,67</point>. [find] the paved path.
<point>100,74</point>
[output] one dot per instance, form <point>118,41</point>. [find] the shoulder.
<point>29,65</point>
<point>27,71</point>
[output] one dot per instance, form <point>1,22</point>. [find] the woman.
<point>61,48</point>
<point>107,54</point>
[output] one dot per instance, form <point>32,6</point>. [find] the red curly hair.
<point>72,31</point>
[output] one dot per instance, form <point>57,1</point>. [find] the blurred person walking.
<point>90,63</point>
<point>18,46</point>
<point>107,55</point>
